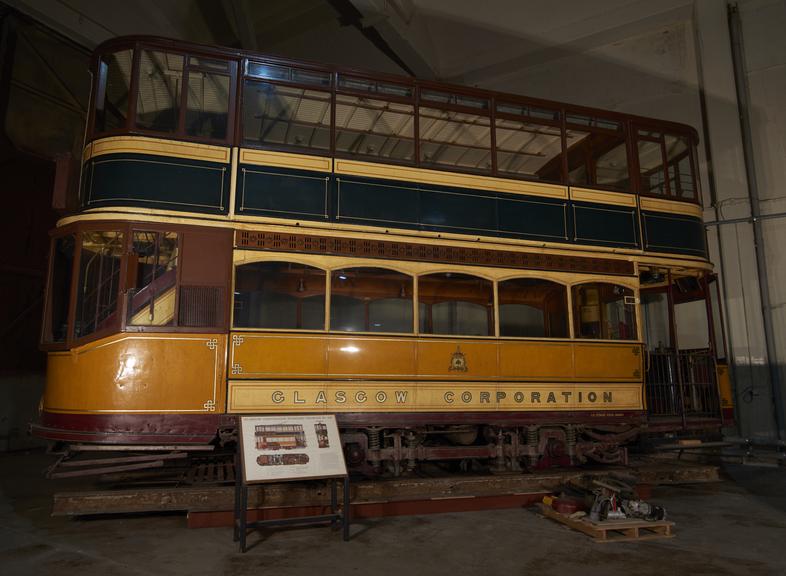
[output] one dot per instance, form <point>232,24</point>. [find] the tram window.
<point>681,177</point>
<point>457,304</point>
<point>207,109</point>
<point>530,307</point>
<point>651,174</point>
<point>370,300</point>
<point>600,311</point>
<point>529,150</point>
<point>152,278</point>
<point>454,139</point>
<point>60,288</point>
<point>100,259</point>
<point>114,83</point>
<point>285,116</point>
<point>158,98</point>
<point>369,127</point>
<point>597,157</point>
<point>280,295</point>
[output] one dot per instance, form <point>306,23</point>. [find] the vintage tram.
<point>459,275</point>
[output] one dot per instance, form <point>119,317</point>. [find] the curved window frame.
<point>491,322</point>
<point>576,312</point>
<point>325,293</point>
<point>566,288</point>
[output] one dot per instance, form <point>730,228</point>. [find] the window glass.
<point>455,140</point>
<point>374,87</point>
<point>682,182</point>
<point>153,270</point>
<point>457,304</point>
<point>604,311</point>
<point>279,295</point>
<point>113,90</point>
<point>529,150</point>
<point>369,127</point>
<point>287,74</point>
<point>207,110</point>
<point>530,307</point>
<point>651,174</point>
<point>160,85</point>
<point>100,260</point>
<point>370,300</point>
<point>60,287</point>
<point>597,158</point>
<point>285,116</point>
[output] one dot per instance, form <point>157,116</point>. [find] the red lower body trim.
<point>202,428</point>
<point>131,428</point>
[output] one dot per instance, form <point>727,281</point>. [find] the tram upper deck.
<point>188,130</point>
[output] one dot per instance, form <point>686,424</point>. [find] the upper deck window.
<point>452,139</point>
<point>160,83</point>
<point>374,87</point>
<point>597,152</point>
<point>371,127</point>
<point>207,106</point>
<point>285,116</point>
<point>114,88</point>
<point>665,164</point>
<point>529,142</point>
<point>287,74</point>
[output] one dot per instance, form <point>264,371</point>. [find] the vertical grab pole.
<point>675,344</point>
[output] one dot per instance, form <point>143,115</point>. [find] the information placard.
<point>280,448</point>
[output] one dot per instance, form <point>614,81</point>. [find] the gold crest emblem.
<point>458,362</point>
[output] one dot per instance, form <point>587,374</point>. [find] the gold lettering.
<point>382,397</point>
<point>341,396</point>
<point>298,399</point>
<point>485,397</point>
<point>321,399</point>
<point>277,397</point>
<point>401,396</point>
<point>449,397</point>
<point>360,397</point>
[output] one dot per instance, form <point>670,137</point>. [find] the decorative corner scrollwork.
<point>236,340</point>
<point>212,343</point>
<point>210,406</point>
<point>237,369</point>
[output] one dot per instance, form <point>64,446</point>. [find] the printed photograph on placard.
<point>290,447</point>
<point>322,435</point>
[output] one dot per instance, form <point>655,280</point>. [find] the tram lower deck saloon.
<point>452,271</point>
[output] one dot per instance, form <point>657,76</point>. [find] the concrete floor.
<point>734,527</point>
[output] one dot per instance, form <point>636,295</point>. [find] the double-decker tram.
<point>459,275</point>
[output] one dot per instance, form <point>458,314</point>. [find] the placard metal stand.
<point>242,483</point>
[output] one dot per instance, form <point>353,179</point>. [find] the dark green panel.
<point>156,182</point>
<point>377,203</point>
<point>535,219</point>
<point>605,225</point>
<point>263,191</point>
<point>673,233</point>
<point>462,212</point>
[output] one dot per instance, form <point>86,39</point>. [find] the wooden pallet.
<point>627,530</point>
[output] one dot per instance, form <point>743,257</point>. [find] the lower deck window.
<point>100,261</point>
<point>371,300</point>
<point>456,304</point>
<point>604,311</point>
<point>281,295</point>
<point>530,307</point>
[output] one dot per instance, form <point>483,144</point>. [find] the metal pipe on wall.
<point>740,82</point>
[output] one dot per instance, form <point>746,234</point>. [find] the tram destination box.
<point>280,448</point>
